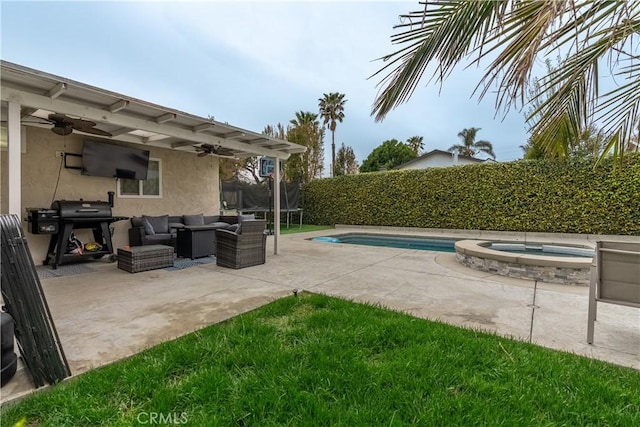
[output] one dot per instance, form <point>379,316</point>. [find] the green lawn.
<point>315,360</point>
<point>305,227</point>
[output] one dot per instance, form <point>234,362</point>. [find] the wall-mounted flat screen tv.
<point>114,161</point>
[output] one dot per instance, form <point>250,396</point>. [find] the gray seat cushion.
<point>159,237</point>
<point>160,224</point>
<point>218,224</point>
<point>193,219</point>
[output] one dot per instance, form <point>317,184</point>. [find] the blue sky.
<point>252,64</point>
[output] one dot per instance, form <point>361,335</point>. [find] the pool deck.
<point>109,314</point>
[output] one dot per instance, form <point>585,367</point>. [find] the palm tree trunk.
<point>333,152</point>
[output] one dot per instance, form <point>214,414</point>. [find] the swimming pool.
<point>448,245</point>
<point>392,241</point>
<point>555,263</point>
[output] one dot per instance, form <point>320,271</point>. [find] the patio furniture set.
<point>236,241</point>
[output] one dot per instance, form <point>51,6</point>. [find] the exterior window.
<point>151,187</point>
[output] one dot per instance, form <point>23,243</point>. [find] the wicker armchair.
<point>243,248</point>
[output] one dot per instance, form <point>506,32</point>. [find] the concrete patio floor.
<point>110,314</point>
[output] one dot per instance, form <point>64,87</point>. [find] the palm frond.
<point>445,35</point>
<point>513,35</point>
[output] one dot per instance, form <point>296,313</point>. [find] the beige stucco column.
<point>276,205</point>
<point>14,139</point>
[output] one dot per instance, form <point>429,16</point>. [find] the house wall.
<point>190,185</point>
<point>437,161</point>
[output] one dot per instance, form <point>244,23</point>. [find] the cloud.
<point>252,64</point>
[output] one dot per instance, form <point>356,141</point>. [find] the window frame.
<point>141,185</point>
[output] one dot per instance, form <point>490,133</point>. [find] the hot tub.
<point>545,262</point>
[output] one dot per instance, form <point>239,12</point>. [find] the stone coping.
<point>480,249</point>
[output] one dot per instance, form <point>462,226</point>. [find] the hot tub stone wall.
<point>565,276</point>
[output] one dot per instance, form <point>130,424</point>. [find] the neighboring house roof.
<point>434,153</point>
<point>129,119</point>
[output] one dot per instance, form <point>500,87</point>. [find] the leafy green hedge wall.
<point>543,196</point>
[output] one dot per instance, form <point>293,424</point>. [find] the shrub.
<point>537,195</point>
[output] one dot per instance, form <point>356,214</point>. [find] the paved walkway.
<point>109,314</point>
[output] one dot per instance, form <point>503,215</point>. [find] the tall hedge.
<point>542,196</point>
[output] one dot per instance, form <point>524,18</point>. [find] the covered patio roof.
<point>128,119</point>
<point>29,96</point>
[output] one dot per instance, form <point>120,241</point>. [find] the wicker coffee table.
<point>144,258</point>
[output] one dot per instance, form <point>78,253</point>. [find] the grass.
<point>305,228</point>
<point>316,360</point>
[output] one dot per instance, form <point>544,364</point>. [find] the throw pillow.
<point>160,224</point>
<point>193,219</point>
<point>148,229</point>
<point>136,221</point>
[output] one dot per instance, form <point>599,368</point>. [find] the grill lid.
<point>82,209</point>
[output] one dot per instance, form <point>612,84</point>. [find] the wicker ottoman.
<point>143,258</point>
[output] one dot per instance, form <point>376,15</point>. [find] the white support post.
<point>14,149</point>
<point>276,205</point>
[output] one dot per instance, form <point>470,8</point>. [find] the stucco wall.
<point>189,184</point>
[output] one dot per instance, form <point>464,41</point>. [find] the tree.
<point>390,154</point>
<point>470,146</point>
<point>416,144</point>
<point>305,130</point>
<point>513,35</point>
<point>346,163</point>
<point>332,111</point>
<point>589,142</point>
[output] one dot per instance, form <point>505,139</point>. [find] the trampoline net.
<point>248,196</point>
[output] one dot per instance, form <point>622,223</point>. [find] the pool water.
<point>392,241</point>
<point>448,245</point>
<point>543,250</point>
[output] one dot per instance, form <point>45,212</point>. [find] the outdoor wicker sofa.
<point>161,230</point>
<point>244,247</point>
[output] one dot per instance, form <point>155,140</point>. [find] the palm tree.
<point>516,35</point>
<point>416,144</point>
<point>306,130</point>
<point>470,146</point>
<point>304,119</point>
<point>332,111</point>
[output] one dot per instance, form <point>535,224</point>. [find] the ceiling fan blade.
<point>204,153</point>
<point>224,152</point>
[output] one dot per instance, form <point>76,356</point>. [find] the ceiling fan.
<point>207,149</point>
<point>64,125</point>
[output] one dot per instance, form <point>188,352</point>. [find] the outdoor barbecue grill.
<point>63,217</point>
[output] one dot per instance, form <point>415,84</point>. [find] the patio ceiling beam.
<point>57,90</point>
<point>179,144</point>
<point>202,127</point>
<point>236,134</point>
<point>26,112</point>
<point>259,142</point>
<point>120,131</point>
<point>102,116</point>
<point>165,118</point>
<point>117,106</point>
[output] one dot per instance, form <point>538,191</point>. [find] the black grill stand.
<point>58,244</point>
